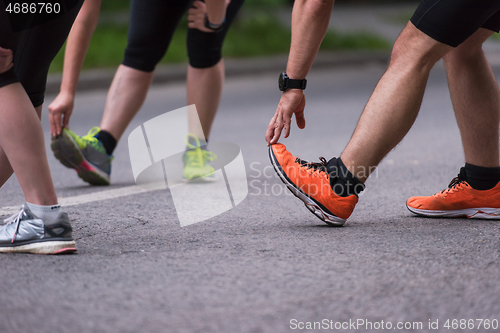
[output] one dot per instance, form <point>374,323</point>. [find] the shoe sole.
<point>208,178</point>
<point>312,205</point>
<point>66,150</point>
<point>48,247</point>
<point>471,213</point>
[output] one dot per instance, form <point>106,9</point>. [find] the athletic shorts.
<point>152,26</point>
<point>453,21</point>
<point>35,40</point>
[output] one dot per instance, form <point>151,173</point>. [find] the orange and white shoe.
<point>459,200</point>
<point>310,182</point>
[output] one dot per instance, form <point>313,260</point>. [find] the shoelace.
<point>15,218</point>
<point>316,166</point>
<point>195,155</point>
<point>454,184</point>
<point>90,137</point>
<point>198,157</point>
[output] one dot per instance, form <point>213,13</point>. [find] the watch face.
<point>281,81</point>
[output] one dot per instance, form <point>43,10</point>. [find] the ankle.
<point>108,141</point>
<point>481,178</point>
<point>342,181</point>
<point>46,213</point>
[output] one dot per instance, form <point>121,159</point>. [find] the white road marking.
<point>89,197</point>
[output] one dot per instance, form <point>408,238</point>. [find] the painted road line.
<point>89,197</point>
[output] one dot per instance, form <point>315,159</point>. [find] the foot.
<point>24,232</point>
<point>310,182</point>
<point>459,200</point>
<point>85,154</point>
<point>197,160</point>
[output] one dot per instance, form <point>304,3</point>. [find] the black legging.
<point>35,40</point>
<point>152,25</point>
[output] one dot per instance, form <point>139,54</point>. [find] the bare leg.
<point>476,100</point>
<point>394,105</point>
<point>5,167</point>
<point>21,139</point>
<point>125,97</point>
<point>204,89</point>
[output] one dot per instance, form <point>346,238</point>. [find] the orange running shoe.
<point>310,182</point>
<point>459,200</point>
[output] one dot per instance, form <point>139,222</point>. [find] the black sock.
<point>108,141</point>
<point>342,180</point>
<point>480,178</point>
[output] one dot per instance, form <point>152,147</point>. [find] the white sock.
<point>46,213</point>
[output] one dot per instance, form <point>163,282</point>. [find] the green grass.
<point>401,18</point>
<point>254,34</point>
<point>354,41</point>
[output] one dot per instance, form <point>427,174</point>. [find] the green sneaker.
<point>197,160</point>
<point>85,154</point>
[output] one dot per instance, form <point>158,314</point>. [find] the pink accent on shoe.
<point>87,167</point>
<point>66,250</point>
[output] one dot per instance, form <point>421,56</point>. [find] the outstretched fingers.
<point>291,102</point>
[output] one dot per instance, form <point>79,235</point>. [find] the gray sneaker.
<point>24,232</point>
<point>85,154</point>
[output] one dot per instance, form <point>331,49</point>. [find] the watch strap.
<point>296,84</point>
<point>214,27</point>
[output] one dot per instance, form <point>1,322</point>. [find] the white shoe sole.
<point>472,213</point>
<point>311,204</point>
<point>49,247</point>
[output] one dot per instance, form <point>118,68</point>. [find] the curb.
<point>101,78</point>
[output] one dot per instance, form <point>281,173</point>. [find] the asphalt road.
<point>267,265</point>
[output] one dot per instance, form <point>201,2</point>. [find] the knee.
<point>470,49</point>
<point>204,48</point>
<point>206,59</point>
<point>140,61</point>
<point>414,49</point>
<point>399,51</point>
<point>464,55</point>
<point>405,57</point>
<point>144,57</point>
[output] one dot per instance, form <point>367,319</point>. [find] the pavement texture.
<point>268,261</point>
<point>267,264</point>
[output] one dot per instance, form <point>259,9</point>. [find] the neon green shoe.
<point>86,154</point>
<point>197,160</point>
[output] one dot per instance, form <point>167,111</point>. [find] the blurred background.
<point>261,29</point>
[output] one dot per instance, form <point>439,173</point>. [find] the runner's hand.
<point>196,15</point>
<point>293,101</point>
<point>6,57</point>
<point>59,112</point>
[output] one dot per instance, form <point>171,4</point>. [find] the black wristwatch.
<point>284,83</point>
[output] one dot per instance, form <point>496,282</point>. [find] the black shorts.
<point>152,26</point>
<point>35,40</point>
<point>453,21</point>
